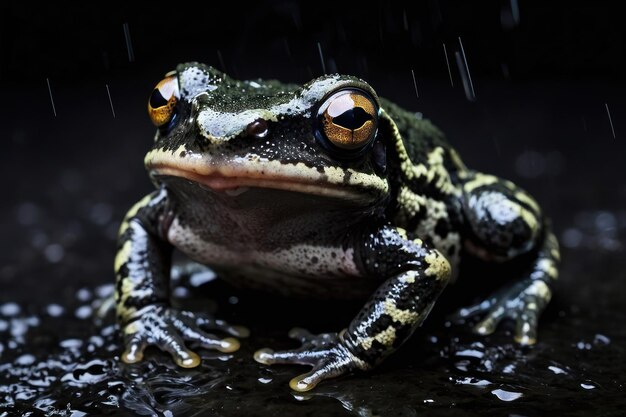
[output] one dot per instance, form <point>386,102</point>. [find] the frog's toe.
<point>285,357</point>
<point>486,306</point>
<point>207,322</point>
<point>522,303</point>
<point>154,329</point>
<point>462,314</point>
<point>526,328</point>
<point>337,361</point>
<point>172,343</point>
<point>324,352</point>
<point>313,349</point>
<point>135,346</point>
<point>491,321</point>
<point>169,329</point>
<point>326,363</point>
<point>187,325</point>
<point>308,381</point>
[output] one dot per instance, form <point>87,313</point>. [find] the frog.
<point>326,190</point>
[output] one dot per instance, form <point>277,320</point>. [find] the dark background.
<point>541,40</point>
<point>544,74</point>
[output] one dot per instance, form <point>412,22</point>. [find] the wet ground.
<point>68,180</point>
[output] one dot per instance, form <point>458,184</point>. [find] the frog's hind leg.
<point>505,222</point>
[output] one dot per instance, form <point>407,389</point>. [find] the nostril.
<point>258,128</point>
<point>198,100</point>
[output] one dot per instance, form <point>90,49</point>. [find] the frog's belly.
<point>252,277</point>
<point>302,269</point>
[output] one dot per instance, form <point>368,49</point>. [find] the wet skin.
<point>321,190</point>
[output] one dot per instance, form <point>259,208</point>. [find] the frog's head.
<point>229,136</point>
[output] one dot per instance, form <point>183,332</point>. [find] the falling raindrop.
<point>110,101</point>
<point>54,110</point>
<point>466,78</point>
<point>610,119</point>
<point>415,84</point>
<point>221,59</point>
<point>129,44</point>
<point>319,48</point>
<point>445,54</point>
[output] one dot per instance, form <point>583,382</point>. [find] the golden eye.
<point>163,101</point>
<point>349,119</point>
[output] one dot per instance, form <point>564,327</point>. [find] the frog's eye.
<point>162,103</point>
<point>349,119</point>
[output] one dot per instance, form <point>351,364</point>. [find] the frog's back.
<point>420,137</point>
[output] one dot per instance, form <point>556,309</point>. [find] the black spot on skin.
<point>314,259</point>
<point>333,255</point>
<point>346,176</point>
<point>442,228</point>
<point>382,323</point>
<point>182,154</point>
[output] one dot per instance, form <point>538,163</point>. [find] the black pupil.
<point>157,100</point>
<point>352,119</point>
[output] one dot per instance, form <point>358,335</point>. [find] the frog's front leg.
<point>142,269</point>
<point>506,223</point>
<point>415,276</point>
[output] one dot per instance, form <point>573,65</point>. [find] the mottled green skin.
<point>388,223</point>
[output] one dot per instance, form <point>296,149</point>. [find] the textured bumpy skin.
<point>250,183</point>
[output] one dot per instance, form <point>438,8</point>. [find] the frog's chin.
<point>235,185</point>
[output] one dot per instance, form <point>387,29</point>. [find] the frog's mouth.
<point>234,182</point>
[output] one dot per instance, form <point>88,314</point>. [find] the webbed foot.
<point>523,302</point>
<point>324,352</point>
<point>168,329</point>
